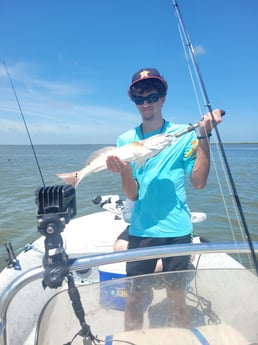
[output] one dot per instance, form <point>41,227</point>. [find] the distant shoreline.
<point>228,143</point>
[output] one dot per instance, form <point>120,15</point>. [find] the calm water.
<point>20,178</point>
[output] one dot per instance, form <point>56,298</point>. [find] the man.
<point>121,243</point>
<point>161,215</point>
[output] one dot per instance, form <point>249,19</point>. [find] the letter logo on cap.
<point>144,74</point>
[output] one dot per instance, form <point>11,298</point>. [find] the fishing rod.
<point>25,124</point>
<point>222,150</point>
<point>193,127</point>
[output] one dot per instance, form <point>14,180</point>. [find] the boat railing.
<point>87,262</point>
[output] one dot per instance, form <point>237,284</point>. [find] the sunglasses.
<point>152,98</point>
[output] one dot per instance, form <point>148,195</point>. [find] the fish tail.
<point>72,178</point>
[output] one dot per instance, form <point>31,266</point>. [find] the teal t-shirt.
<point>161,209</point>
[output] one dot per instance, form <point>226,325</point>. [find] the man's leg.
<point>175,283</point>
<point>121,242</point>
<point>180,313</point>
<point>140,292</point>
<point>134,309</point>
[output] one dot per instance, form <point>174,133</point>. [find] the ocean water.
<point>19,178</point>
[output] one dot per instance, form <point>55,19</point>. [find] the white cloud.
<point>199,50</point>
<point>53,114</point>
<point>31,83</point>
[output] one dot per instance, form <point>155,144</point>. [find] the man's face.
<point>150,104</point>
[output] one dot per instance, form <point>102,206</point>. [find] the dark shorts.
<point>176,263</point>
<point>124,235</point>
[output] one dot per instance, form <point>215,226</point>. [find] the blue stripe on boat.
<point>109,340</point>
<point>200,337</point>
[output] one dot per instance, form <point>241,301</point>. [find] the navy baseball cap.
<point>147,73</point>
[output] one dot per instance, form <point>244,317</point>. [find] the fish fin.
<point>142,160</point>
<point>72,178</point>
<point>139,163</point>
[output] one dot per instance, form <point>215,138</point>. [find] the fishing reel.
<point>56,206</point>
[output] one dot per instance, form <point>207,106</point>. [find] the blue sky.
<point>71,63</point>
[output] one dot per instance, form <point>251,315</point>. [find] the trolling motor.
<point>56,206</point>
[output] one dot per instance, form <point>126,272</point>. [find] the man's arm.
<point>201,167</point>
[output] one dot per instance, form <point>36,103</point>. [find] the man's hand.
<point>129,184</point>
<point>117,165</point>
<point>208,123</point>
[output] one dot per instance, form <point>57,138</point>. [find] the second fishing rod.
<point>189,44</point>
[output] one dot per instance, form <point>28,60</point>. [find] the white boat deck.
<point>233,292</point>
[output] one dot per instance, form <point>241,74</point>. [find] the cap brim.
<point>144,78</point>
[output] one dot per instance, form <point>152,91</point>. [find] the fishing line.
<point>190,71</point>
<point>197,98</point>
<point>25,124</point>
<point>220,144</point>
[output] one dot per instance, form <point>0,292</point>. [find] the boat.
<point>36,307</point>
<point>70,287</point>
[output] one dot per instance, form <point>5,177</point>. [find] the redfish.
<point>137,152</point>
